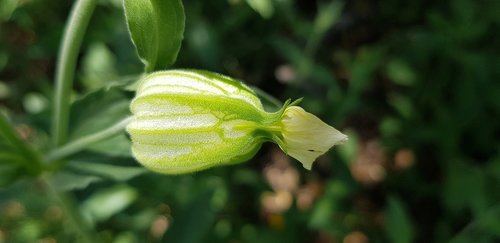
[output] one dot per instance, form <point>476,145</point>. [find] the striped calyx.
<point>190,120</point>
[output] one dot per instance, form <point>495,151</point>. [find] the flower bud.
<point>187,120</point>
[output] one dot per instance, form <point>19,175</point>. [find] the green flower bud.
<point>187,120</point>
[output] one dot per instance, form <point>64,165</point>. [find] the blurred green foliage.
<point>415,84</point>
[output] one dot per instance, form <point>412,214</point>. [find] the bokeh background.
<point>415,84</point>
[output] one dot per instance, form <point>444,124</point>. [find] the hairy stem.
<point>66,66</point>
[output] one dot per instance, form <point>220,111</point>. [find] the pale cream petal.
<point>306,137</point>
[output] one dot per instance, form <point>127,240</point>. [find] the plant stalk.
<point>66,67</point>
<point>84,142</point>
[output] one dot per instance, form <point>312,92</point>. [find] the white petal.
<point>306,137</point>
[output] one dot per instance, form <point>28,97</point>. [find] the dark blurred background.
<point>415,84</point>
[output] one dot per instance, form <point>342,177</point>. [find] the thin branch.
<point>82,143</point>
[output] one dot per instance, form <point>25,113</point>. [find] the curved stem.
<point>66,66</point>
<point>84,142</point>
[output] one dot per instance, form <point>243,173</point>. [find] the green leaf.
<point>14,150</point>
<point>328,15</point>
<point>264,7</point>
<point>400,73</point>
<point>9,173</point>
<point>398,226</point>
<point>108,202</point>
<point>194,220</point>
<point>98,66</point>
<point>98,111</point>
<point>114,172</point>
<point>118,145</point>
<point>157,29</point>
<point>7,7</point>
<point>349,150</point>
<point>463,179</point>
<point>79,173</point>
<point>69,181</point>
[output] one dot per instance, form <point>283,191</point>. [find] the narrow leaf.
<point>264,7</point>
<point>156,28</point>
<point>114,172</point>
<point>398,225</point>
<point>108,202</point>
<point>97,111</point>
<point>198,214</point>
<point>69,181</point>
<point>9,173</point>
<point>16,149</point>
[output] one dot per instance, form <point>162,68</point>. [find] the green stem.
<point>84,142</point>
<point>71,213</point>
<point>66,66</point>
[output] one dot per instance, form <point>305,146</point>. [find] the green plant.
<point>156,28</point>
<point>414,84</point>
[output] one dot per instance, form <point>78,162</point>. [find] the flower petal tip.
<point>306,137</point>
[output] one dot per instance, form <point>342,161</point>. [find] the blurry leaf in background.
<point>349,150</point>
<point>7,7</point>
<point>126,237</point>
<point>17,158</point>
<point>109,171</point>
<point>397,224</point>
<point>202,39</point>
<point>107,202</point>
<point>328,15</point>
<point>320,218</point>
<point>98,67</point>
<point>118,145</point>
<point>3,60</point>
<point>328,205</point>
<point>9,173</point>
<point>402,104</point>
<point>4,91</point>
<point>465,189</point>
<point>157,29</point>
<point>390,126</point>
<point>86,168</point>
<point>29,231</point>
<point>193,221</point>
<point>400,73</point>
<point>35,103</point>
<point>483,228</point>
<point>69,181</point>
<point>363,67</point>
<point>264,7</point>
<point>295,55</point>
